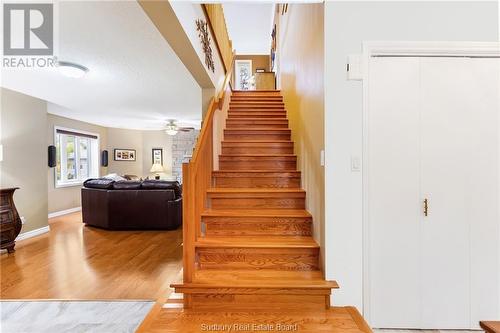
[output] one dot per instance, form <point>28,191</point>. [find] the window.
<point>77,155</point>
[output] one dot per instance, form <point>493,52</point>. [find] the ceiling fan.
<point>172,128</point>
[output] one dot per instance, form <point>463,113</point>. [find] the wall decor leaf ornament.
<point>202,28</point>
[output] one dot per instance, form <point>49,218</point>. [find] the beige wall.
<point>125,139</point>
<point>258,61</point>
<point>300,47</point>
<point>156,139</point>
<point>64,198</point>
<point>26,131</point>
<point>60,199</point>
<point>143,142</point>
<point>24,165</point>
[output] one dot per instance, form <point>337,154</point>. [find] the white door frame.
<point>402,49</point>
<point>236,79</point>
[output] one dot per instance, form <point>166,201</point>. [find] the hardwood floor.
<point>77,262</point>
<point>171,318</point>
<point>422,331</point>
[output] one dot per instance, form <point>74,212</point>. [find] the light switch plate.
<point>355,67</point>
<point>355,164</point>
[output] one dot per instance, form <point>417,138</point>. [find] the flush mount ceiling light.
<point>71,69</point>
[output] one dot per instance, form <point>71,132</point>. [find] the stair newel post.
<point>188,225</point>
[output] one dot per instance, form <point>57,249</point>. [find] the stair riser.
<point>256,94</point>
<point>258,182</point>
<point>262,115</point>
<point>257,136</point>
<point>257,226</point>
<point>256,123</point>
<point>265,144</point>
<point>257,203</point>
<point>255,108</point>
<point>238,99</point>
<point>258,164</point>
<point>229,302</point>
<point>299,259</point>
<point>257,150</point>
<point>257,105</point>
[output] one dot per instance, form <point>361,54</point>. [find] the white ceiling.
<point>249,26</point>
<point>135,80</point>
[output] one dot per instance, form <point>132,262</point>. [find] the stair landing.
<point>171,318</point>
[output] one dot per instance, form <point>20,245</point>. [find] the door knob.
<point>426,207</point>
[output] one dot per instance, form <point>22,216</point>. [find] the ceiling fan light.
<point>171,131</point>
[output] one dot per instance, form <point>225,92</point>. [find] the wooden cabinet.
<point>10,222</point>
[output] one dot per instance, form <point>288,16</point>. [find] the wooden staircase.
<point>255,250</point>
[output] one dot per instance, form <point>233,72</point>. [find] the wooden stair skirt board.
<point>255,250</point>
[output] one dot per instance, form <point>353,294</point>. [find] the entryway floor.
<point>72,316</point>
<point>422,331</point>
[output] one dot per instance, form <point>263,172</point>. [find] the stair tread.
<point>232,278</point>
<point>259,155</point>
<point>257,213</point>
<point>252,127</point>
<point>257,242</point>
<point>257,118</point>
<point>254,92</point>
<point>257,141</point>
<point>256,172</point>
<point>259,129</point>
<point>253,190</point>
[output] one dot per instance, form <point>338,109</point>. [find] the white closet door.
<point>447,127</point>
<point>459,108</point>
<point>433,133</point>
<point>393,206</point>
<point>484,185</point>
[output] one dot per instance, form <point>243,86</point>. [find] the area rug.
<point>72,316</point>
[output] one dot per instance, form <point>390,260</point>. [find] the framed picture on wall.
<point>124,154</point>
<point>157,156</point>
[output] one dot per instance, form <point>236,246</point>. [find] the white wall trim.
<point>465,49</point>
<point>32,233</point>
<point>451,49</point>
<point>65,212</point>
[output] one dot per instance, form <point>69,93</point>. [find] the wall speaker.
<point>104,158</point>
<point>52,156</point>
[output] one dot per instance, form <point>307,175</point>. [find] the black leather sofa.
<point>132,205</point>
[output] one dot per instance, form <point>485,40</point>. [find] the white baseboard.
<point>32,233</point>
<point>64,212</point>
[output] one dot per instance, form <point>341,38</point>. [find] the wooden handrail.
<point>196,179</point>
<point>217,23</point>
